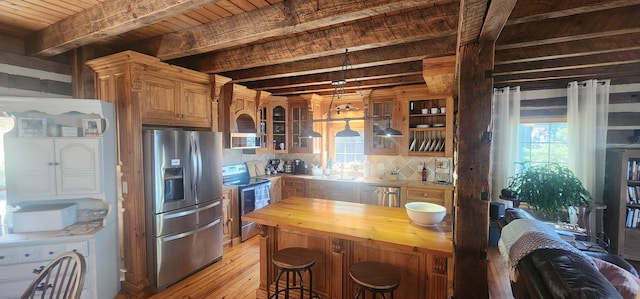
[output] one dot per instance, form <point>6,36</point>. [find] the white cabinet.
<point>19,269</point>
<point>51,168</point>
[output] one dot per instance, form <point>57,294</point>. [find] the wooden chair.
<point>62,278</point>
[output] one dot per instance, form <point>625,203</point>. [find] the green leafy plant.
<point>549,188</point>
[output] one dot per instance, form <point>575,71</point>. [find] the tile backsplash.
<point>410,168</point>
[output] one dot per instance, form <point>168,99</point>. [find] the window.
<point>349,150</point>
<point>544,143</point>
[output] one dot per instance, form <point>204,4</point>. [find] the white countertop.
<point>75,231</point>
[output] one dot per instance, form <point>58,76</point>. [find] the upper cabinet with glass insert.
<point>380,115</point>
<point>278,141</point>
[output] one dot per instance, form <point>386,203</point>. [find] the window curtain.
<point>587,120</point>
<point>505,124</point>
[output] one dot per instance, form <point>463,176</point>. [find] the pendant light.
<point>310,134</point>
<point>389,131</point>
<point>338,92</point>
<point>347,132</point>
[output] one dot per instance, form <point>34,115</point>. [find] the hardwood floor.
<point>237,276</point>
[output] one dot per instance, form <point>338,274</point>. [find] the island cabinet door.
<point>413,281</point>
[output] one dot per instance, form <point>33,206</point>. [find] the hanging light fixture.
<point>389,131</point>
<point>338,92</point>
<point>310,134</point>
<point>347,132</point>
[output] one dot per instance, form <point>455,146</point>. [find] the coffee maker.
<point>299,167</point>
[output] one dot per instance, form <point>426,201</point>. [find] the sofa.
<point>543,265</point>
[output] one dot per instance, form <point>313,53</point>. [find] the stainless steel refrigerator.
<point>183,199</point>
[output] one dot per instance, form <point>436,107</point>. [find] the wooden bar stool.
<point>375,277</point>
<point>294,260</point>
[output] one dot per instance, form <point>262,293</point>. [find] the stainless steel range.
<point>253,194</point>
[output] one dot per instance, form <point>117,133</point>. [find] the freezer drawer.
<point>181,254</point>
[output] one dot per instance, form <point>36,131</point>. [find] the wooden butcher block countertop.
<point>357,222</point>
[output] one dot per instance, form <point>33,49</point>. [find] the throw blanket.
<point>523,236</point>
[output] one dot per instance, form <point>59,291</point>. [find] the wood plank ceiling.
<point>290,47</point>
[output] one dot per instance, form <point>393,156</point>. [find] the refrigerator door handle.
<point>194,164</point>
<point>199,161</point>
<point>183,235</point>
<point>185,213</point>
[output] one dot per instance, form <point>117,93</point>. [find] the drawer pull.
<point>51,252</point>
<point>26,255</point>
<point>38,270</point>
<point>1,257</point>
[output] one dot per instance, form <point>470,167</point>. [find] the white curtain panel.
<point>505,123</point>
<point>587,120</point>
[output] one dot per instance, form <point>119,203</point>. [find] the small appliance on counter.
<point>299,167</point>
<point>47,217</point>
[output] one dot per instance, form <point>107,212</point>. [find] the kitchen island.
<point>344,233</point>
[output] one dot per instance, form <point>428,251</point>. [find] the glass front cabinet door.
<point>380,116</point>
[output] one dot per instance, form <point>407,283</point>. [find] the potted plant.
<point>549,188</point>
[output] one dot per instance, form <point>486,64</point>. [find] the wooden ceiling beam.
<point>398,53</point>
<point>567,29</point>
<point>599,72</point>
<point>108,18</point>
<point>542,10</point>
<point>414,25</point>
<point>497,16</point>
<point>327,89</point>
<point>575,48</point>
<point>353,75</point>
<point>280,19</point>
<point>569,63</point>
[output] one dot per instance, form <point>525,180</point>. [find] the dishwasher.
<point>380,195</point>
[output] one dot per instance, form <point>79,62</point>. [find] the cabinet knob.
<point>51,164</point>
<point>1,257</point>
<point>27,255</point>
<point>425,195</point>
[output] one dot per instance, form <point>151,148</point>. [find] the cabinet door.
<point>79,166</point>
<point>30,168</point>
<point>276,189</point>
<point>195,104</point>
<point>227,218</point>
<point>293,187</point>
<point>279,143</point>
<point>379,145</point>
<point>158,100</point>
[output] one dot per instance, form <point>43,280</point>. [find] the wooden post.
<point>474,144</point>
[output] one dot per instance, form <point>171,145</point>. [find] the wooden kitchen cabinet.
<point>171,102</point>
<point>334,190</point>
<point>430,130</point>
<point>293,187</point>
<point>441,196</point>
<point>278,126</point>
<point>230,225</point>
<point>276,189</point>
<point>380,107</point>
<point>300,119</point>
<point>53,168</point>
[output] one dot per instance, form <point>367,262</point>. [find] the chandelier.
<point>338,91</point>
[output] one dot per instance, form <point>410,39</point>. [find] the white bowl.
<point>425,213</point>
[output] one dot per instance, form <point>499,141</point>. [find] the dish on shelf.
<point>426,147</point>
<point>413,145</point>
<point>438,125</point>
<point>442,146</point>
<point>422,126</point>
<point>433,145</point>
<point>422,145</point>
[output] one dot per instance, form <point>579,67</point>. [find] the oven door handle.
<point>193,232</point>
<point>185,213</point>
